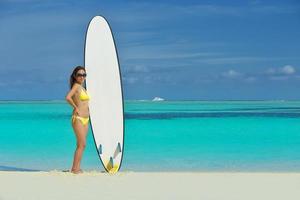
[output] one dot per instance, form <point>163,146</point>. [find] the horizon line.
<point>62,100</point>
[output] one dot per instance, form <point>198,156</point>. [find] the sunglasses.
<point>83,75</point>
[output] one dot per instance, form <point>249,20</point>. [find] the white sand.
<point>151,185</point>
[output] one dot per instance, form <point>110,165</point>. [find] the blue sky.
<point>177,50</point>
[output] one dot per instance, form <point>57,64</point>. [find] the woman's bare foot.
<point>77,171</point>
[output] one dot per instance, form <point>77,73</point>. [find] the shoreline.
<point>201,171</point>
<point>87,172</point>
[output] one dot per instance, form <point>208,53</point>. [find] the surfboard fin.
<point>111,167</point>
<point>100,149</point>
<point>119,147</point>
<point>117,150</point>
<point>110,163</point>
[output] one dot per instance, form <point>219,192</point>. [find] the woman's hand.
<point>76,111</point>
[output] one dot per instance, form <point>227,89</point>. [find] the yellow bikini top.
<point>83,96</point>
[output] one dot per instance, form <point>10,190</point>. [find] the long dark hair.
<point>73,75</point>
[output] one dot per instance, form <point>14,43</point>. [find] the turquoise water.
<point>159,136</point>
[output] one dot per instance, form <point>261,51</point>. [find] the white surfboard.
<point>104,85</point>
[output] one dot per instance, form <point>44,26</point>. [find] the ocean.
<point>242,136</point>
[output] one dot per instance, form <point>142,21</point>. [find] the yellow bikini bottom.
<point>84,120</point>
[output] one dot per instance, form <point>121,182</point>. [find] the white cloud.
<point>232,74</point>
<point>281,73</point>
<point>158,55</point>
<point>276,74</point>
<point>130,80</point>
<point>288,69</point>
<point>285,70</point>
<point>136,69</point>
<point>154,79</point>
<point>240,59</point>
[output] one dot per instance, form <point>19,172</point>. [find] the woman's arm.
<point>70,94</point>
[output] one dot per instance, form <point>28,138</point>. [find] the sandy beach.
<point>149,185</point>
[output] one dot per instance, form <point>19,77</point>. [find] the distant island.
<point>158,99</point>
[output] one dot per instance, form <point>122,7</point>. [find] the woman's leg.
<point>80,132</point>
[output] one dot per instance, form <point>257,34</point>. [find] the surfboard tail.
<point>111,167</point>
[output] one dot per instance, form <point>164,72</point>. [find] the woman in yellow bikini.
<point>78,98</point>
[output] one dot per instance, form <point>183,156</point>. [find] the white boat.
<point>158,99</point>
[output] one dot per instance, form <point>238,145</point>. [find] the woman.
<point>78,98</point>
